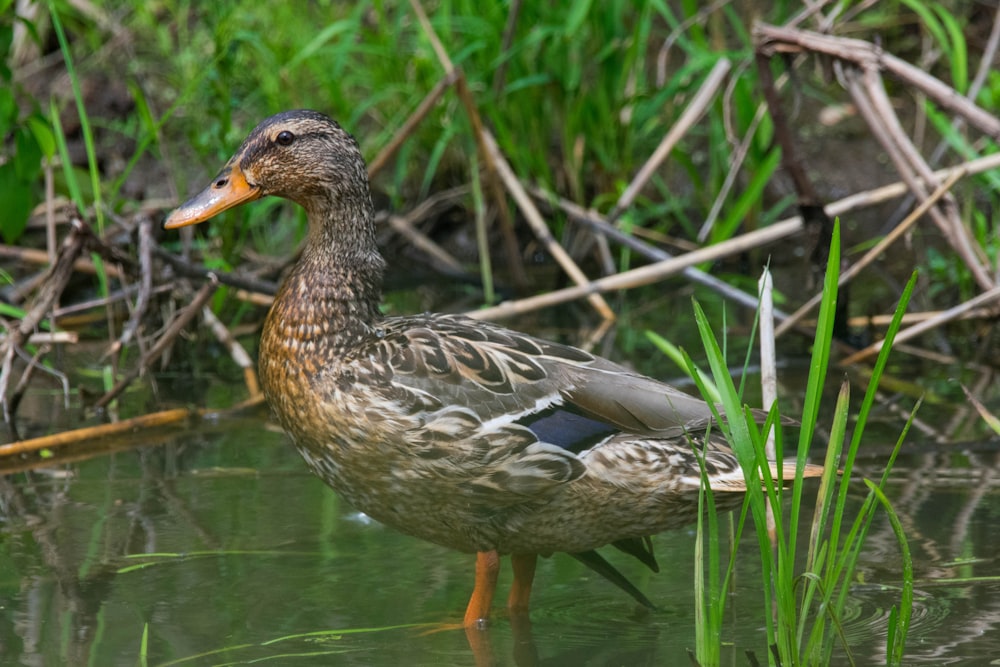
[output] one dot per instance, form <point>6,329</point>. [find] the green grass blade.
<point>706,385</point>
<point>902,621</point>
<point>88,135</point>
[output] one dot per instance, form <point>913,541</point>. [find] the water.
<point>215,541</point>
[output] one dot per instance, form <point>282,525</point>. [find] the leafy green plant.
<point>27,140</point>
<point>627,71</point>
<point>803,605</point>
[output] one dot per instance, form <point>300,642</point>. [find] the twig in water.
<point>236,351</point>
<point>927,325</point>
<point>181,321</point>
<point>145,285</point>
<point>876,251</point>
<point>56,280</point>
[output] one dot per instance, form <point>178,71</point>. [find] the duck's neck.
<point>332,294</point>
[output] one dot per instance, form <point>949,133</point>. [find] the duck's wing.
<point>501,374</point>
<point>512,411</point>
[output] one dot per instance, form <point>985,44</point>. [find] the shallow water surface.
<point>226,551</point>
<point>218,544</point>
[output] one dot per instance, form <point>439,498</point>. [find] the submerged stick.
<point>917,329</point>
<point>164,341</point>
<point>876,251</point>
<point>89,433</point>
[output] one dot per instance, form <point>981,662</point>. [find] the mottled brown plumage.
<point>460,432</point>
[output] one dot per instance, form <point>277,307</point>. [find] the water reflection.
<point>224,547</point>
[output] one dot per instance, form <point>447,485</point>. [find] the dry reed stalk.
<point>876,251</point>
<point>89,433</point>
<point>56,279</point>
<point>860,64</point>
<point>665,268</point>
<point>691,114</point>
<point>411,123</point>
<point>772,40</point>
<point>541,230</point>
<point>605,229</point>
<point>928,324</point>
<point>518,274</point>
<point>237,352</point>
<point>41,258</point>
<point>644,275</point>
<point>163,342</point>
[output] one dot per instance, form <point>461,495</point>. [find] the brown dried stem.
<point>145,284</point>
<point>417,117</point>
<point>872,103</point>
<point>94,432</point>
<point>867,56</point>
<point>163,342</point>
<point>876,251</point>
<point>55,282</point>
<point>934,322</point>
<point>541,230</point>
<point>603,226</point>
<point>699,104</point>
<point>236,351</point>
<point>647,274</point>
<point>518,275</point>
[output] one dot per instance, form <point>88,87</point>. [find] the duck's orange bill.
<point>229,189</point>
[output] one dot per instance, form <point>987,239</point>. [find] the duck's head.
<point>299,155</point>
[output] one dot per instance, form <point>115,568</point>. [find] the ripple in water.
<point>867,613</point>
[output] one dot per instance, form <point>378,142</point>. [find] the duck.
<point>457,431</point>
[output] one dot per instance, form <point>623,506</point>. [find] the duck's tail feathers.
<point>596,562</point>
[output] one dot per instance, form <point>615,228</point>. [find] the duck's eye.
<point>284,138</point>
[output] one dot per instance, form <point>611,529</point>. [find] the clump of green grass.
<point>582,128</point>
<point>807,578</point>
<point>31,142</point>
<point>578,97</point>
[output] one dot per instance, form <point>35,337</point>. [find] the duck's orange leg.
<point>487,568</point>
<point>520,590</point>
